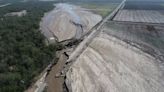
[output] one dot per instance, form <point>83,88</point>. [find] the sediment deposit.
<point>68,22</point>
<point>113,57</point>
<point>111,65</point>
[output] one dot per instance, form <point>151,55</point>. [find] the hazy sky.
<point>145,0</point>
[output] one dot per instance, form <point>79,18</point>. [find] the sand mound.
<point>67,22</point>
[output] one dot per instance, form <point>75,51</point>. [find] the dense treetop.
<point>23,51</point>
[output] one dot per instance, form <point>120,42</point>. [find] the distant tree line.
<point>23,52</point>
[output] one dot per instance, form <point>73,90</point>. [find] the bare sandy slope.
<point>111,65</point>
<point>67,22</point>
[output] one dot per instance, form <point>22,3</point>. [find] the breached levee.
<point>68,22</point>
<point>102,62</point>
<point>111,65</point>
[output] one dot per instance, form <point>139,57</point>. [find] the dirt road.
<point>5,5</point>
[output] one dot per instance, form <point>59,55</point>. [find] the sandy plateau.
<point>68,22</point>
<point>111,65</point>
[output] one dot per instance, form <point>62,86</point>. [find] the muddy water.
<point>56,84</point>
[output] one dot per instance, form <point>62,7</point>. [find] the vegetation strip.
<point>23,51</point>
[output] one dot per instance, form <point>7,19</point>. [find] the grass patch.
<point>102,9</point>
